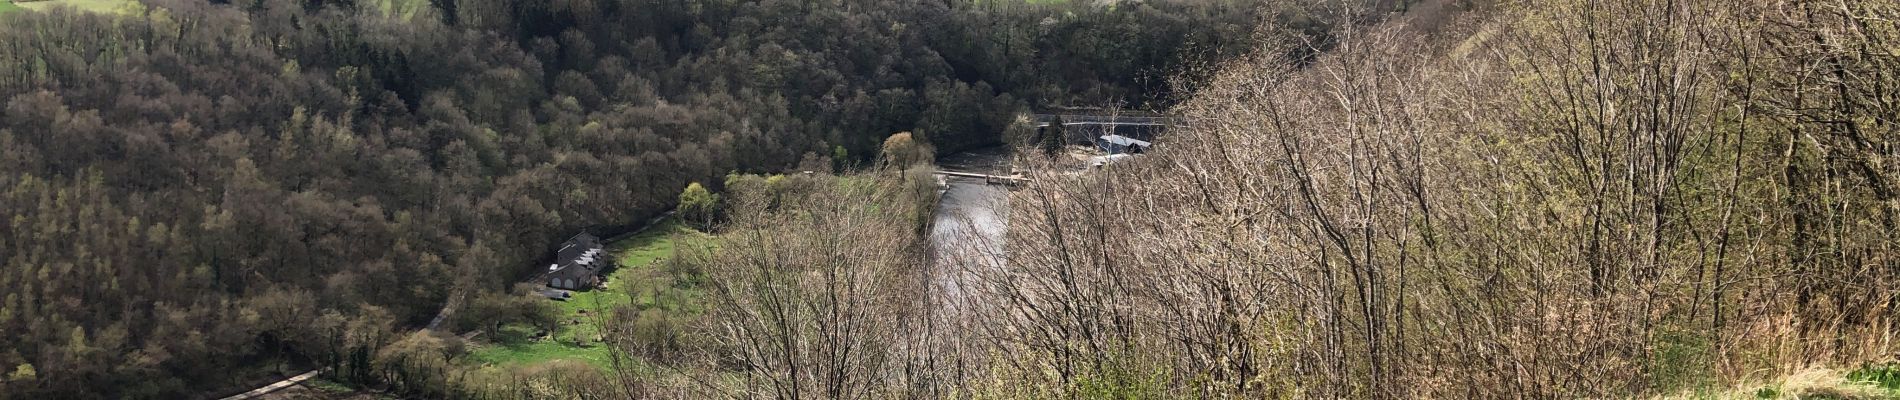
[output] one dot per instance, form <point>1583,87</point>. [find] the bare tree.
<point>1588,199</point>
<point>810,298</point>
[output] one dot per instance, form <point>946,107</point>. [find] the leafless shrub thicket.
<point>813,291</point>
<point>1566,199</point>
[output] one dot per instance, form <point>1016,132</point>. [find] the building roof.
<point>583,251</point>
<point>1120,140</point>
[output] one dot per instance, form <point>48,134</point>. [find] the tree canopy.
<point>195,194</point>
<point>902,150</point>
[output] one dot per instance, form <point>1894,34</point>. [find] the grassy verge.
<point>1874,381</point>
<point>329,386</point>
<point>1884,375</point>
<point>97,6</point>
<point>629,283</point>
<point>8,6</point>
<point>1871,382</point>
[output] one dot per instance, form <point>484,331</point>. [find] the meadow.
<point>629,283</point>
<point>97,6</point>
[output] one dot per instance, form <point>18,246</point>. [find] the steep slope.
<point>1568,199</point>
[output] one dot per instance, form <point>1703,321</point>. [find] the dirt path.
<point>276,386</point>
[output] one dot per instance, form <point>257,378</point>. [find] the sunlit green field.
<point>7,6</point>
<point>98,6</point>
<point>581,315</point>
<point>517,349</point>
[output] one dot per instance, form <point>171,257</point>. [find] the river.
<point>967,230</point>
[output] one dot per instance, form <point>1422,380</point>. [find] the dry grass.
<point>1809,383</point>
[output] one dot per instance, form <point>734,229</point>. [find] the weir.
<point>987,178</point>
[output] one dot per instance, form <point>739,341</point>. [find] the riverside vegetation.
<point>1379,199</point>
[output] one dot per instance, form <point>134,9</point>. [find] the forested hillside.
<point>1569,199</point>
<point>193,194</point>
<point>1361,199</point>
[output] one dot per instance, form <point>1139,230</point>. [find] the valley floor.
<point>581,317</point>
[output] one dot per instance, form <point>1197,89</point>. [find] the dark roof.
<point>583,251</point>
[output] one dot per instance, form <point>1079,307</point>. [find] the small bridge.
<point>1044,120</point>
<point>1089,128</point>
<point>990,179</point>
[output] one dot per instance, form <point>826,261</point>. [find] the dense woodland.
<point>193,195</point>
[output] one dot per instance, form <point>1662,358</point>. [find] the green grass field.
<point>7,6</point>
<point>580,315</point>
<point>516,349</point>
<point>1872,381</point>
<point>97,6</point>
